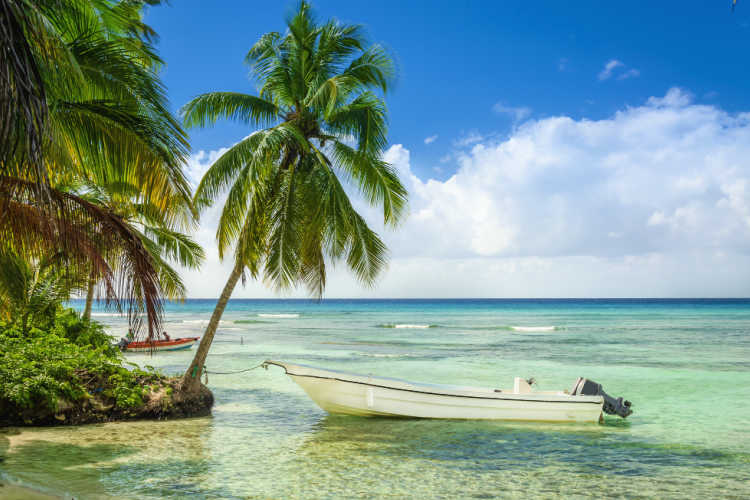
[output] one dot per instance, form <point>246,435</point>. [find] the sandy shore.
<point>14,492</point>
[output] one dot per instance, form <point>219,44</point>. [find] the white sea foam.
<point>405,325</point>
<point>381,355</point>
<point>533,328</point>
<point>108,314</point>
<point>266,315</point>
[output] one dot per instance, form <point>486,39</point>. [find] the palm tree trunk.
<point>89,295</point>
<point>191,379</point>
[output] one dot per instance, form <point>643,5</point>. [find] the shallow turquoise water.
<point>684,364</point>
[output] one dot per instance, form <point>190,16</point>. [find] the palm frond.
<point>376,180</point>
<point>284,235</point>
<point>89,229</point>
<point>176,246</point>
<point>207,108</point>
<point>364,119</point>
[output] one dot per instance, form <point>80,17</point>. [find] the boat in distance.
<point>346,393</point>
<point>177,344</point>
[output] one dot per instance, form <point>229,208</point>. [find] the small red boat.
<point>161,345</point>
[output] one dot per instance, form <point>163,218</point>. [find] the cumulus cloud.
<point>199,163</point>
<point>674,98</point>
<point>654,200</point>
<point>430,139</point>
<point>517,112</point>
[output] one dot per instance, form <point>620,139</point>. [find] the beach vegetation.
<point>31,294</point>
<point>64,369</point>
<point>67,362</point>
<point>94,201</point>
<point>160,228</point>
<point>83,105</point>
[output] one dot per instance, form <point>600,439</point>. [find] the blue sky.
<point>551,149</point>
<point>458,60</point>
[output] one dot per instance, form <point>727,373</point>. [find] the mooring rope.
<point>206,372</point>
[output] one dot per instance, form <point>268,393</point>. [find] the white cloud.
<point>654,200</point>
<point>674,98</point>
<point>631,73</point>
<point>468,139</point>
<point>198,164</point>
<point>615,67</point>
<point>430,139</point>
<point>609,67</point>
<point>517,112</point>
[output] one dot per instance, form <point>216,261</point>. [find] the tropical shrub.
<point>69,362</point>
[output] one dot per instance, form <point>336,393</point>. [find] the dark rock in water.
<point>166,401</point>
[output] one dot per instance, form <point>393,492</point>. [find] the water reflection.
<point>108,459</point>
<point>487,445</point>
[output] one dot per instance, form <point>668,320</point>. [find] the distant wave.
<point>381,355</point>
<point>200,321</point>
<point>266,315</point>
<point>106,314</point>
<point>533,328</point>
<point>248,321</point>
<point>405,325</point>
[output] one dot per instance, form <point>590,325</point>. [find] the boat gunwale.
<point>495,398</point>
<point>146,344</point>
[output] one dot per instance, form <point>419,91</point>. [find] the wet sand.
<point>14,492</point>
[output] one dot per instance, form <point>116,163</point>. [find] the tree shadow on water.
<point>283,412</point>
<point>124,460</point>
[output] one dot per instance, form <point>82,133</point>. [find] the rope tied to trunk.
<point>206,372</point>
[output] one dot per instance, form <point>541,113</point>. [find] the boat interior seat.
<point>521,386</point>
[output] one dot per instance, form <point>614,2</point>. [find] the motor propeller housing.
<point>612,406</point>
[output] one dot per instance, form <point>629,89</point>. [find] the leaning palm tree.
<point>287,211</point>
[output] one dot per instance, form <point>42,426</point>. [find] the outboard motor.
<point>123,343</point>
<point>612,406</point>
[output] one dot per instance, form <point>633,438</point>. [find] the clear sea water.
<point>685,364</point>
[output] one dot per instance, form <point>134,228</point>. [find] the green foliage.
<point>90,154</point>
<point>82,333</point>
<point>31,291</point>
<point>72,360</point>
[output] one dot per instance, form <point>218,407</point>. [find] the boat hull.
<point>338,393</point>
<point>161,345</point>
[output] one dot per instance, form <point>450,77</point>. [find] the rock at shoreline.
<point>164,401</point>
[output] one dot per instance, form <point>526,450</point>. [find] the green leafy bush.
<point>72,360</point>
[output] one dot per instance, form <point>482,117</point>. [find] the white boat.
<point>365,395</point>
